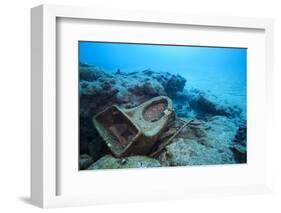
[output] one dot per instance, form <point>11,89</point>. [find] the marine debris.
<point>134,131</point>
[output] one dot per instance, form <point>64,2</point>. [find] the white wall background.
<point>15,98</point>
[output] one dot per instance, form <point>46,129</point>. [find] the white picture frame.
<point>44,148</point>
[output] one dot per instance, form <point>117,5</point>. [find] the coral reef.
<point>217,136</point>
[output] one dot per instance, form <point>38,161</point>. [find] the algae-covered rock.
<point>110,162</point>
<point>139,162</point>
<point>106,162</point>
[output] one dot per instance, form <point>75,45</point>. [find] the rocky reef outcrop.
<point>214,141</point>
<point>99,89</point>
<point>194,102</point>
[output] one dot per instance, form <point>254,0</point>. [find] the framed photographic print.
<point>149,106</point>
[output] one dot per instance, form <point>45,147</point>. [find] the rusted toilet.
<point>134,131</point>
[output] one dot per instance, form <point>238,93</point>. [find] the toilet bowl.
<point>134,131</point>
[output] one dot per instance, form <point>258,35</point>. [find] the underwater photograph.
<point>159,105</point>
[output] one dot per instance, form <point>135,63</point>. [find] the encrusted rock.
<point>106,162</point>
<point>140,162</point>
<point>109,162</point>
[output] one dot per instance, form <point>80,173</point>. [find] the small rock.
<point>85,161</point>
<point>118,72</point>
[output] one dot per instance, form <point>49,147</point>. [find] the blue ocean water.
<point>222,71</point>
